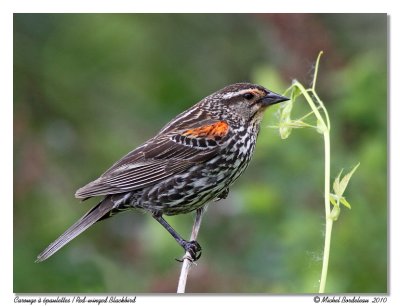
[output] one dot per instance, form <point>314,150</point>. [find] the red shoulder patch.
<point>218,129</point>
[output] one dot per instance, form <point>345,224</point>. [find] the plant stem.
<point>186,262</point>
<point>326,129</point>
<point>327,174</point>
<point>328,219</point>
<point>312,105</point>
<point>314,83</point>
<point>325,263</point>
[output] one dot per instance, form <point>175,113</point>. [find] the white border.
<point>7,8</point>
<point>206,6</point>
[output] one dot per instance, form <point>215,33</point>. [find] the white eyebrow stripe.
<point>231,94</point>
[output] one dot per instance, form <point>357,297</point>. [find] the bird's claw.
<point>194,250</point>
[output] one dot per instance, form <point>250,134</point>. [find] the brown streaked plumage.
<point>191,161</point>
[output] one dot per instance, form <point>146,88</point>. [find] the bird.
<point>192,160</point>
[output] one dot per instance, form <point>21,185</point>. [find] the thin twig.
<point>186,261</point>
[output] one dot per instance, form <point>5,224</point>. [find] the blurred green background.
<point>88,88</point>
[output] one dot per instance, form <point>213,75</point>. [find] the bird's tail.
<point>91,217</point>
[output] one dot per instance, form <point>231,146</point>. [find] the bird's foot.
<point>193,248</point>
<point>222,195</point>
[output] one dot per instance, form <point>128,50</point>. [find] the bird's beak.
<point>272,98</point>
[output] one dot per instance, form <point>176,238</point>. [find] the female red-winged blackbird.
<point>191,161</point>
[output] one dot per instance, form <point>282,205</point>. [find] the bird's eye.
<point>248,96</point>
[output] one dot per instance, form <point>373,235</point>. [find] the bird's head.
<point>244,101</point>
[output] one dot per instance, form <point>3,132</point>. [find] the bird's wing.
<point>161,157</point>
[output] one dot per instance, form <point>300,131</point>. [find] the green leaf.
<point>284,120</point>
<point>345,180</point>
<point>298,124</point>
<point>335,213</point>
<point>286,110</point>
<point>285,132</point>
<point>333,199</point>
<point>336,184</point>
<point>339,187</point>
<point>344,202</point>
<point>296,92</point>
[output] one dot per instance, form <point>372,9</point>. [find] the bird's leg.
<point>193,247</point>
